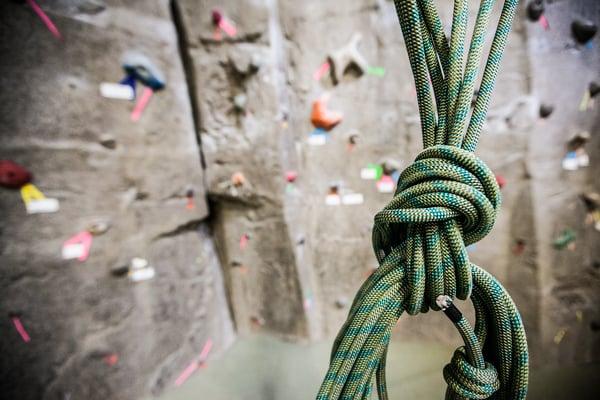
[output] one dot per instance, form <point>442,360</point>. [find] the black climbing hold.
<point>594,88</point>
<point>120,270</point>
<point>546,110</point>
<point>583,30</point>
<point>535,9</point>
<point>595,326</point>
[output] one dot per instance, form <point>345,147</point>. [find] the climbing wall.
<point>566,229</point>
<point>223,208</point>
<point>87,329</point>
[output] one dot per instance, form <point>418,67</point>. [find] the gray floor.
<point>263,368</point>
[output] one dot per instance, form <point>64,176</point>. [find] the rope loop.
<point>446,200</point>
<point>467,381</point>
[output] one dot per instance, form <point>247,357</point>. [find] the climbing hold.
<point>36,202</point>
<point>138,263</point>
<point>333,196</point>
<point>244,241</point>
<point>45,19</point>
<point>591,200</point>
<point>222,24</point>
<point>139,270</point>
<point>390,166</point>
<point>372,172</point>
<point>108,141</point>
<point>98,227</point>
<point>592,204</point>
<point>546,110</point>
<point>111,359</point>
<point>535,9</point>
<point>334,188</point>
<point>195,364</point>
<point>501,180</point>
<point>376,71</point>
<point>566,239</point>
<point>386,184</point>
<point>594,88</point>
<point>291,176</point>
<point>91,7</point>
<point>318,137</point>
<point>130,81</point>
<point>583,30</point>
<point>576,156</point>
<point>321,71</point>
<point>560,335</point>
<point>347,57</point>
<point>216,16</point>
<point>240,101</point>
<point>141,68</point>
<point>136,114</point>
<point>16,320</point>
<point>119,270</point>
<point>78,246</point>
<point>321,117</point>
<point>13,175</point>
<point>575,159</point>
<point>341,302</point>
<point>238,179</point>
<point>189,195</point>
<point>353,139</point>
<point>117,91</point>
<point>352,199</point>
<point>519,247</point>
<point>578,140</point>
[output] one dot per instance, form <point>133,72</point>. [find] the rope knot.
<point>446,200</point>
<point>468,381</point>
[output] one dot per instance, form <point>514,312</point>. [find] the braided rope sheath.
<point>447,199</point>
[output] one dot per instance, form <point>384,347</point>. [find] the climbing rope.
<point>446,200</point>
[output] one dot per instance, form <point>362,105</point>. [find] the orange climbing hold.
<point>323,118</point>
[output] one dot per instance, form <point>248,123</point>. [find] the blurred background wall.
<point>221,186</point>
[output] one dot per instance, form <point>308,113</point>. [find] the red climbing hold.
<point>291,176</point>
<point>12,175</point>
<point>217,17</point>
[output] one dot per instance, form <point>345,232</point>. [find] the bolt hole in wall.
<point>188,191</point>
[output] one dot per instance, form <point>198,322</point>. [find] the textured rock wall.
<point>53,121</point>
<point>561,71</point>
<point>260,254</point>
<point>262,276</point>
<point>330,245</point>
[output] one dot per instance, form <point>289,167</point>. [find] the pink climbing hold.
<point>21,329</point>
<point>45,19</point>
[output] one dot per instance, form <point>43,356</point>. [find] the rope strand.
<point>447,199</point>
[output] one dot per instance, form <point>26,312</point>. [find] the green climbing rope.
<point>446,200</point>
